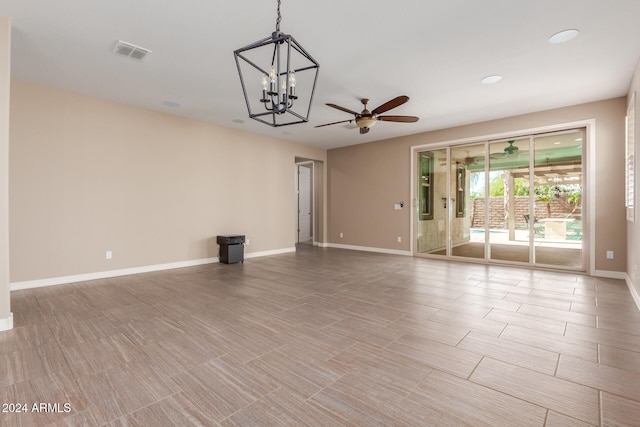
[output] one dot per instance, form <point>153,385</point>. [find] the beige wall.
<point>5,70</point>
<point>89,175</point>
<point>633,229</point>
<point>366,180</point>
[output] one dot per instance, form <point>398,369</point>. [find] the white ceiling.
<point>436,52</point>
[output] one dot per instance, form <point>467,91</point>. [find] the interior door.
<point>305,207</point>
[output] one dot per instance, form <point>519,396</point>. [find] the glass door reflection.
<point>468,220</point>
<point>432,202</point>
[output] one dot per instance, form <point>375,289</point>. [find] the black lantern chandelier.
<point>278,78</point>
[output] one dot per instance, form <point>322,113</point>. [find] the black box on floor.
<point>231,248</point>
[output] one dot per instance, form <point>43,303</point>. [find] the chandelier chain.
<point>279,18</point>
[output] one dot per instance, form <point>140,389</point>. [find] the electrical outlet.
<point>109,255</point>
<point>609,254</point>
<point>399,239</point>
<point>341,235</point>
<point>247,241</point>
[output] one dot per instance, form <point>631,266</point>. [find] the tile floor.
<point>325,337</point>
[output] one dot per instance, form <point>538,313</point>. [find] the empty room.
<point>288,213</point>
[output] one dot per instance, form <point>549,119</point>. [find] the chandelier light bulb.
<point>264,88</point>
<point>272,79</point>
<point>283,91</point>
<point>292,85</point>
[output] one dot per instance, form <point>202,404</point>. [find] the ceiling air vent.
<point>130,50</point>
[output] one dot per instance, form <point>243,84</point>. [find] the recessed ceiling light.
<point>172,104</point>
<point>557,143</point>
<point>563,36</point>
<point>491,79</point>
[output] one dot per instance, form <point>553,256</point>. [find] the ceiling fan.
<point>509,151</point>
<point>366,119</point>
<point>467,161</point>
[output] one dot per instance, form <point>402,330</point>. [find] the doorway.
<point>511,201</point>
<point>305,202</point>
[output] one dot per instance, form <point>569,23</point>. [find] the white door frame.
<point>311,166</point>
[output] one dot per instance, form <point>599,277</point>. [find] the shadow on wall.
<point>213,249</point>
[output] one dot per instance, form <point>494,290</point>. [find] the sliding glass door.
<point>558,191</point>
<point>509,200</point>
<point>469,217</point>
<point>512,201</point>
<point>432,215</point>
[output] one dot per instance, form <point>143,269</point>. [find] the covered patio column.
<point>509,203</point>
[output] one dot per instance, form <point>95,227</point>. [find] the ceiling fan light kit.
<point>365,122</point>
<point>367,119</point>
<point>278,78</point>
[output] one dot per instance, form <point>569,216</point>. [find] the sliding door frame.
<point>588,200</point>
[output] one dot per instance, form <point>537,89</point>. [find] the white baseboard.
<point>632,289</point>
<point>369,249</point>
<point>610,274</point>
<point>30,284</point>
<point>268,253</point>
<point>6,324</point>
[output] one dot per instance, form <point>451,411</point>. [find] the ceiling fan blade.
<point>334,123</point>
<point>403,119</point>
<point>364,130</point>
<point>346,110</point>
<point>395,102</point>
